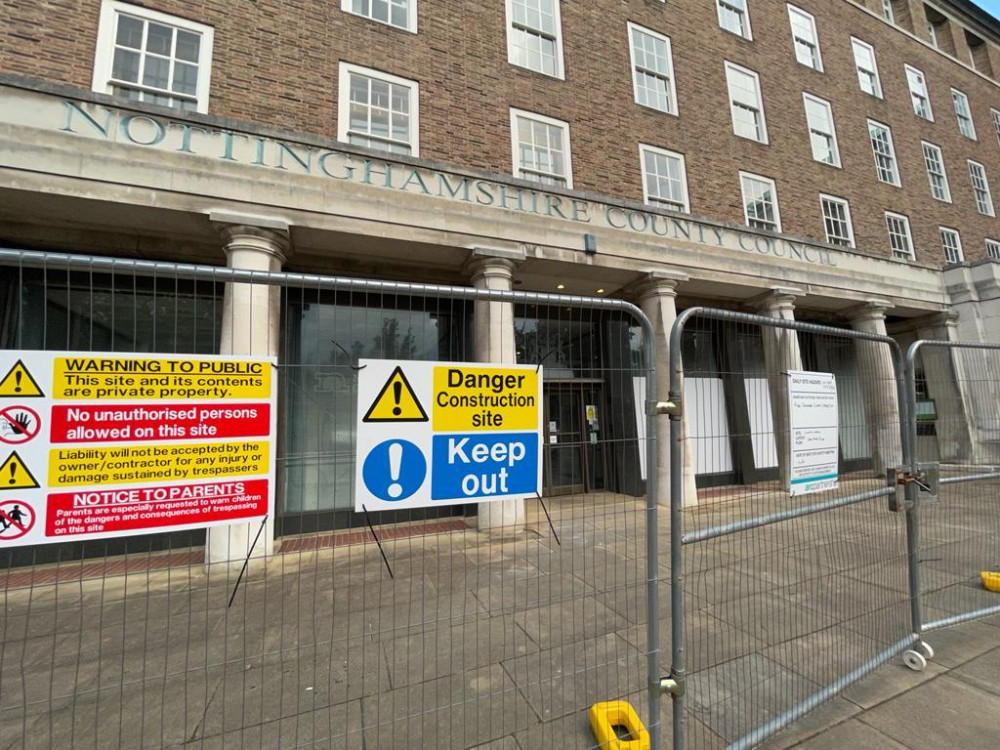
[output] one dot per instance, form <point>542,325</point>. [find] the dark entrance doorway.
<point>575,454</point>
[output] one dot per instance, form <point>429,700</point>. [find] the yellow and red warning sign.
<point>121,444</point>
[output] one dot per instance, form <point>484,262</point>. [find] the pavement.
<point>502,641</point>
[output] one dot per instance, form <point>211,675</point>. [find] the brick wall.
<point>276,63</point>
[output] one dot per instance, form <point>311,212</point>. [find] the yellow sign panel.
<point>14,475</point>
<point>69,467</point>
<point>396,402</point>
<point>129,378</point>
<point>485,398</point>
<point>18,382</point>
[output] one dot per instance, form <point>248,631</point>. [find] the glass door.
<point>564,440</point>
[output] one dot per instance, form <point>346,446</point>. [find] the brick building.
<point>830,160</point>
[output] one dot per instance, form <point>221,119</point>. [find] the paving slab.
<point>982,671</point>
<point>851,734</point>
<point>889,680</point>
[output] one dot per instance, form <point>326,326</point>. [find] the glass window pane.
<point>185,78</point>
<point>125,66</point>
<point>129,32</point>
<point>156,72</point>
<point>159,39</point>
<point>188,45</point>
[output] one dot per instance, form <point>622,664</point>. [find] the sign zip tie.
<point>353,367</point>
<point>377,541</point>
<point>549,518</point>
<point>247,561</point>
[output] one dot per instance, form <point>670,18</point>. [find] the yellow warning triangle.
<point>14,475</point>
<point>18,382</point>
<point>396,402</point>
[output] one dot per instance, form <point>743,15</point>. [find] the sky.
<point>993,6</point>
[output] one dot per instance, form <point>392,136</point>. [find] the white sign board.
<point>99,444</point>
<point>813,426</point>
<point>445,433</point>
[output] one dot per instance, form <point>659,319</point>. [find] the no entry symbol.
<point>18,424</point>
<point>16,519</point>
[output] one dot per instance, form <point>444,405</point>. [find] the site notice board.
<point>443,433</point>
<point>98,445</point>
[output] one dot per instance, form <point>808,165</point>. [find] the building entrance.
<point>575,452</point>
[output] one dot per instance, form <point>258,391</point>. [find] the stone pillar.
<point>878,386</point>
<point>657,297</point>
<point>493,328</point>
<point>251,319</point>
<point>947,385</point>
<point>781,354</point>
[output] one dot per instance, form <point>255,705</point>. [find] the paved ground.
<point>502,642</point>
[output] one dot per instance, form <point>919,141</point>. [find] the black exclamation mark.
<point>17,384</point>
<point>397,393</point>
<point>13,471</point>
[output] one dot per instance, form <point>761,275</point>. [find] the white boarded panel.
<point>705,401</point>
<point>765,452</point>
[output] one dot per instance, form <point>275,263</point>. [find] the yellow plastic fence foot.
<point>604,717</point>
<point>990,580</point>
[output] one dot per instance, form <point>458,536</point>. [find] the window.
<point>822,135</point>
<point>734,17</point>
<point>964,115</point>
<point>745,103</point>
<point>534,36</point>
<point>652,70</point>
<point>996,123</point>
<point>979,54</point>
<point>837,220</point>
<point>760,202</point>
<point>993,249</point>
<point>981,187</point>
<point>918,93</point>
<point>899,235</point>
<point>951,243</point>
<point>931,34</point>
<point>664,178</point>
<point>805,38</point>
<point>399,13</point>
<point>379,111</point>
<point>885,154</point>
<point>864,61</point>
<point>151,57</point>
<point>934,160</point>
<point>887,11</point>
<point>939,31</point>
<point>541,148</point>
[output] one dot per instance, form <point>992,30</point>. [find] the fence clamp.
<point>672,685</point>
<point>670,408</point>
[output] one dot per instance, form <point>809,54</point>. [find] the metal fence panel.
<point>779,603</point>
<point>409,630</point>
<point>955,427</point>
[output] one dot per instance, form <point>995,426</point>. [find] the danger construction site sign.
<point>444,433</point>
<point>96,445</point>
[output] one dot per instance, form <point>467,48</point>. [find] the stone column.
<point>947,384</point>
<point>657,296</point>
<point>781,354</point>
<point>251,316</point>
<point>878,386</point>
<point>493,328</point>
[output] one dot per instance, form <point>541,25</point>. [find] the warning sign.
<point>396,402</point>
<point>18,424</point>
<point>126,444</point>
<point>18,382</point>
<point>16,520</point>
<point>14,475</point>
<point>481,443</point>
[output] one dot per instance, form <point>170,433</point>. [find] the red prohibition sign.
<point>18,424</point>
<point>16,519</point>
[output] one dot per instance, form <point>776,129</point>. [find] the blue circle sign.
<point>394,470</point>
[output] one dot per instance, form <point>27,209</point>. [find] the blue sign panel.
<point>394,470</point>
<point>475,466</point>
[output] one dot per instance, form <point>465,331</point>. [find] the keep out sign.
<point>104,445</point>
<point>443,433</point>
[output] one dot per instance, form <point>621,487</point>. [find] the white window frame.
<point>993,249</point>
<point>732,6</point>
<point>887,11</point>
<point>632,28</point>
<point>957,248</point>
<point>985,188</point>
<point>806,98</point>
<point>643,149</point>
<point>898,182</point>
<point>924,146</point>
<point>995,115</point>
<point>909,235</point>
<point>774,191</point>
<point>825,198</point>
<point>793,11</point>
<point>107,33</point>
<point>923,93</point>
<point>411,15</point>
<point>855,43</point>
<point>344,103</point>
<point>957,96</point>
<point>515,144</point>
<point>560,72</point>
<point>760,101</point>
